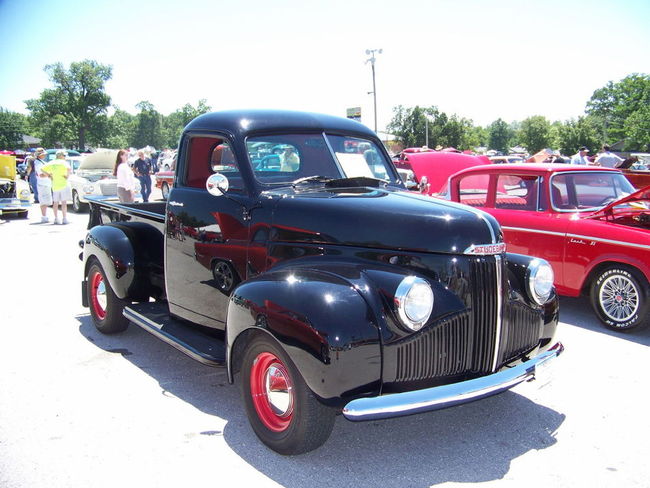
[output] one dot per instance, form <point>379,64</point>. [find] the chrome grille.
<point>484,312</point>
<point>522,332</point>
<point>441,350</point>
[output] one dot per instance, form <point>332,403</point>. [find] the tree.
<point>148,127</point>
<point>574,134</point>
<point>176,121</point>
<point>535,133</point>
<point>614,103</point>
<point>12,128</point>
<point>78,99</point>
<point>121,129</point>
<point>637,130</point>
<point>411,126</point>
<point>500,136</point>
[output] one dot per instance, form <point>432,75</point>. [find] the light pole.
<point>372,52</point>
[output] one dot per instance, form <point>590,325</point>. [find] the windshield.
<point>283,159</point>
<point>588,191</point>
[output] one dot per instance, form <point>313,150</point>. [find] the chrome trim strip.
<point>579,236</point>
<point>534,231</point>
<point>438,397</point>
<point>497,339</point>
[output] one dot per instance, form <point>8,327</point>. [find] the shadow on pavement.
<point>469,443</point>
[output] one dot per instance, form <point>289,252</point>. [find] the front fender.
<point>322,322</point>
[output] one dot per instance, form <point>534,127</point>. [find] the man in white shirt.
<point>580,157</point>
<point>608,159</point>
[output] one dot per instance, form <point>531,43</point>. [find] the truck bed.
<point>104,212</point>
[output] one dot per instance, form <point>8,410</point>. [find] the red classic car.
<point>431,169</point>
<point>164,181</point>
<point>588,222</point>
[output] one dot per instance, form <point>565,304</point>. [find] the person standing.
<point>581,157</point>
<point>59,171</point>
<point>125,178</point>
<point>607,158</point>
<point>142,168</point>
<point>32,179</point>
<point>43,184</point>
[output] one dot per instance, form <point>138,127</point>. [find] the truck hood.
<point>382,218</point>
<point>643,195</point>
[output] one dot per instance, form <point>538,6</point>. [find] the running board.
<point>155,319</point>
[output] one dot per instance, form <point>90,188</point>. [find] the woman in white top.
<point>125,177</point>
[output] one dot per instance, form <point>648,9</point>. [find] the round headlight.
<point>540,280</point>
<point>414,302</point>
<point>89,188</point>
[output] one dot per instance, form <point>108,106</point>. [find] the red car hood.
<point>637,196</point>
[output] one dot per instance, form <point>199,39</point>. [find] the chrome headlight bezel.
<point>414,302</point>
<point>89,188</point>
<point>539,279</point>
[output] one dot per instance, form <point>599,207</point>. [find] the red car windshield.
<point>589,191</point>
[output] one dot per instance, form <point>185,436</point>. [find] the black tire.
<point>105,307</point>
<point>77,205</point>
<point>225,276</point>
<point>23,215</point>
<point>165,190</point>
<point>296,422</point>
<point>619,296</point>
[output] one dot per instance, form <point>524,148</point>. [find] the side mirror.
<point>217,184</point>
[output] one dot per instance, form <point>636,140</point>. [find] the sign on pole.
<point>354,113</point>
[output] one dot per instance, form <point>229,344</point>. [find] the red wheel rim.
<point>98,295</point>
<point>272,392</point>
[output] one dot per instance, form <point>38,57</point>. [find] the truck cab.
<point>290,252</point>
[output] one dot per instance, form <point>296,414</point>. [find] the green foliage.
<point>12,128</point>
<point>637,130</point>
<point>175,122</point>
<point>573,134</point>
<point>612,105</point>
<point>411,126</point>
<point>535,134</point>
<point>121,128</point>
<point>73,105</point>
<point>500,136</point>
<point>148,128</point>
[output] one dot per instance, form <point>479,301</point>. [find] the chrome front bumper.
<point>436,398</point>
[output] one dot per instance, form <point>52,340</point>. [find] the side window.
<point>474,189</point>
<point>208,155</point>
<point>517,192</point>
<point>559,192</point>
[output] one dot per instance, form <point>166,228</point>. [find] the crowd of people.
<point>49,183</point>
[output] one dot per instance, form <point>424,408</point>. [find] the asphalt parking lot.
<point>78,409</point>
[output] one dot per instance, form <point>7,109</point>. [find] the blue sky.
<point>480,59</point>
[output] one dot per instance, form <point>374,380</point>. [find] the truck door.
<point>206,235</point>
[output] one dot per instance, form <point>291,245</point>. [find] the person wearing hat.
<point>581,157</point>
<point>43,184</point>
<point>59,171</point>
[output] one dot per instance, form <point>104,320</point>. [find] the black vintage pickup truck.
<point>290,252</point>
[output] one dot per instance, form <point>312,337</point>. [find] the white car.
<point>94,177</point>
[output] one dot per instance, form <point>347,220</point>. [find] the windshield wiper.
<point>311,179</point>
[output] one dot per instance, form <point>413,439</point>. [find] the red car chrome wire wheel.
<point>272,392</point>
